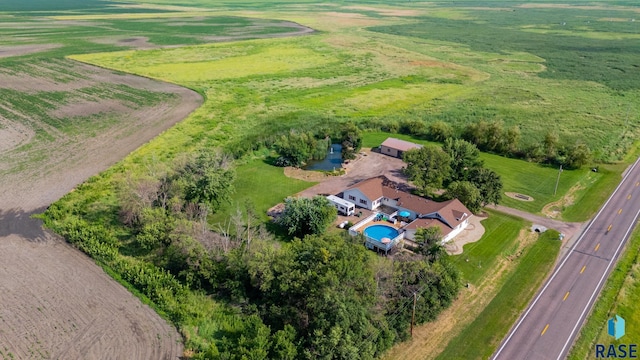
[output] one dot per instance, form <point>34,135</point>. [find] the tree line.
<point>493,137</point>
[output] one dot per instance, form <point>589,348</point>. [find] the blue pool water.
<point>381,231</point>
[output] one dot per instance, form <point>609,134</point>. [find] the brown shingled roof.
<point>426,223</point>
<point>453,212</point>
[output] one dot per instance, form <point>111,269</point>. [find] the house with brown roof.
<point>396,147</point>
<point>415,211</point>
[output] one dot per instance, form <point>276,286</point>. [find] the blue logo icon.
<point>615,327</point>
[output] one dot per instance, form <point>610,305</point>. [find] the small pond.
<point>332,161</point>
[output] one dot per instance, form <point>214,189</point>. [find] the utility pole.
<point>413,314</point>
<point>557,181</point>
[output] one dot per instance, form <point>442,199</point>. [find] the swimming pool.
<point>381,231</point>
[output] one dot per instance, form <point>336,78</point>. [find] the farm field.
<point>60,123</point>
<point>373,65</point>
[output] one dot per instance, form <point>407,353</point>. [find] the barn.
<point>396,147</point>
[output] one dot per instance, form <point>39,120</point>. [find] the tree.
<point>550,146</point>
<point>577,155</point>
<point>304,216</point>
<point>412,127</point>
<point>208,179</point>
<point>510,140</point>
<point>476,133</point>
<point>351,140</point>
<point>427,167</point>
<point>283,347</point>
<point>464,156</point>
<point>489,183</point>
<point>440,131</point>
<point>428,236</point>
<point>467,193</point>
<point>297,148</point>
<point>435,283</point>
<point>322,286</point>
<point>430,242</point>
<point>494,136</point>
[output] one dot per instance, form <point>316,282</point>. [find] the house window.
<point>388,150</point>
<point>363,201</point>
<point>351,197</point>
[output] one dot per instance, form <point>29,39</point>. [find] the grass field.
<point>370,62</point>
<point>263,185</point>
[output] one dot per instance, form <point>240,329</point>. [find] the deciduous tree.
<point>467,193</point>
<point>304,216</point>
<point>427,167</point>
<point>464,157</point>
<point>489,183</point>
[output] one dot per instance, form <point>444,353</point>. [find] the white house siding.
<point>457,230</point>
<point>356,196</point>
<point>389,151</point>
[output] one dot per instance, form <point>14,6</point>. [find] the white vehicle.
<point>344,207</point>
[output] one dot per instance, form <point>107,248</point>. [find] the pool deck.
<point>395,226</point>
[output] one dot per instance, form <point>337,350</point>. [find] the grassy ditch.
<point>620,295</point>
<point>480,339</point>
<point>502,258</point>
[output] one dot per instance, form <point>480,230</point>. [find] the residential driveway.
<point>369,164</point>
<point>571,230</point>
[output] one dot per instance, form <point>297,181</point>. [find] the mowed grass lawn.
<point>498,241</point>
<point>262,185</point>
<point>535,180</point>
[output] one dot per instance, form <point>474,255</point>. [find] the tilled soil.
<point>55,302</point>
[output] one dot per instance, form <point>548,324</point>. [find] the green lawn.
<point>263,185</point>
<point>498,241</point>
<point>535,180</point>
<point>480,339</point>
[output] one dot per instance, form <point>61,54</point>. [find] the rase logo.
<point>616,329</point>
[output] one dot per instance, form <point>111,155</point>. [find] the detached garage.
<point>396,147</point>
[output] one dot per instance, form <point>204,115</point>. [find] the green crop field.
<point>567,69</point>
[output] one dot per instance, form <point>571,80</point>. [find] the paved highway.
<point>547,329</point>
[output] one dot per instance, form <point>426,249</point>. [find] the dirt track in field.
<point>55,302</point>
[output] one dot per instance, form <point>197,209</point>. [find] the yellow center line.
<point>597,247</point>
<point>584,267</point>
<point>629,197</point>
<point>545,330</point>
<point>620,211</point>
<point>609,228</point>
<point>638,183</point>
<point>565,296</point>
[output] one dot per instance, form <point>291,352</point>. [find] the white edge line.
<point>512,332</point>
<point>597,289</point>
